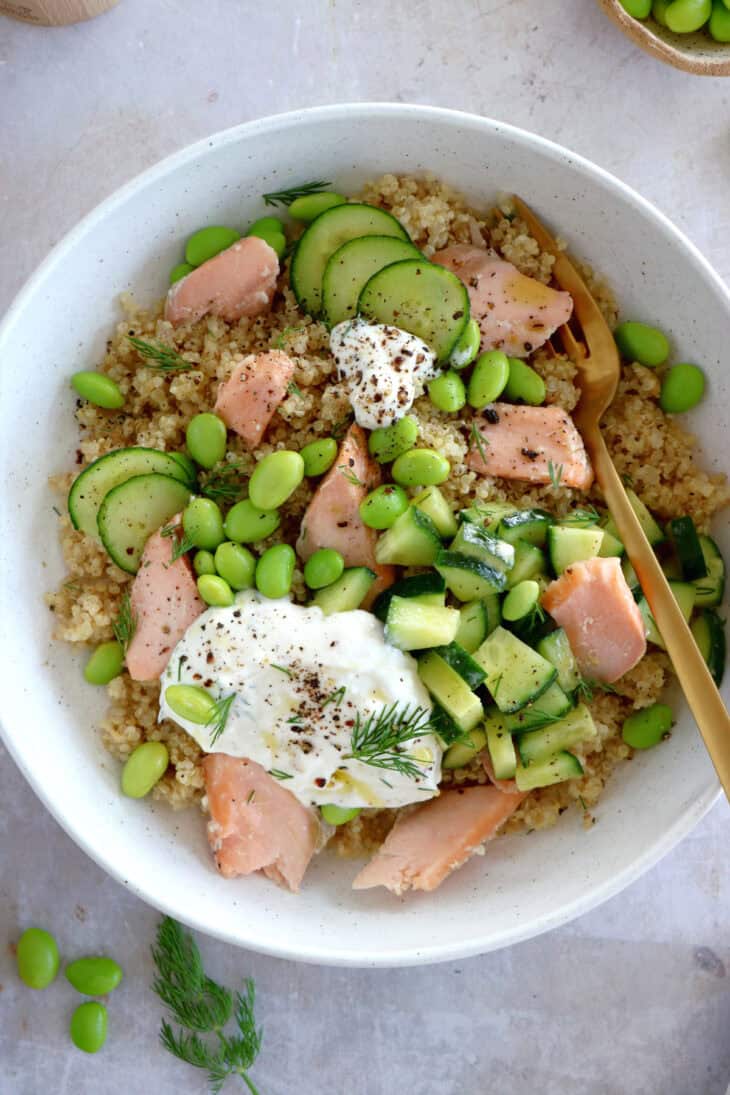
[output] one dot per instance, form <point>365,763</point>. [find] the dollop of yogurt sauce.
<point>300,680</point>
<point>385,369</point>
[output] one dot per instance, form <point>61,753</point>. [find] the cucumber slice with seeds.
<point>131,512</point>
<point>351,267</point>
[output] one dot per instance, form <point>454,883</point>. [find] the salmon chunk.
<point>239,281</point>
<point>256,824</point>
<point>593,604</point>
<point>521,442</point>
<point>332,518</point>
<point>427,844</point>
<point>164,602</point>
<point>507,786</point>
<point>248,399</point>
<point>515,313</point>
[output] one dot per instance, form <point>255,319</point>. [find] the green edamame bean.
<point>682,388</point>
<point>524,383</point>
<point>389,442</point>
<point>235,564</point>
<point>146,765</point>
<point>98,389</point>
<point>467,347</point>
<point>206,438</point>
<point>421,467</point>
<point>180,271</point>
<point>319,456</point>
<point>189,702</point>
<point>659,11</point>
<point>202,523</point>
<point>271,230</point>
<point>37,958</point>
<point>105,663</point>
<point>275,478</point>
<point>447,392</point>
<point>88,1026</point>
<point>639,342</point>
<point>338,815</point>
<point>719,25</point>
<point>639,9</point>
<point>267,224</point>
<point>686,16</point>
<point>384,505</point>
<point>323,568</point>
<point>246,523</point>
<point>648,727</point>
<point>310,206</point>
<point>274,571</point>
<point>488,379</point>
<point>94,976</point>
<point>203,562</point>
<point>186,463</point>
<point>206,243</point>
<point>215,590</point>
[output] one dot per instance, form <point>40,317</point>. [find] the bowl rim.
<point>645,37</point>
<point>320,953</point>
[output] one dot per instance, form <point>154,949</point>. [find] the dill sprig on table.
<point>203,1007</point>
<point>125,624</point>
<point>381,739</point>
<point>286,197</point>
<point>159,356</point>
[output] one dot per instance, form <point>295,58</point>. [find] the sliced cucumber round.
<point>421,298</point>
<point>132,511</point>
<point>324,236</point>
<point>351,267</point>
<point>91,486</point>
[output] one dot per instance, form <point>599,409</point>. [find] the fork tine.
<point>573,348</point>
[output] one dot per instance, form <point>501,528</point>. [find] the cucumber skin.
<point>407,587</point>
<point>108,517</point>
<point>325,598</point>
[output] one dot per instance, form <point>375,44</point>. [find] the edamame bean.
<point>338,815</point>
<point>447,392</point>
<point>648,727</point>
<point>639,9</point>
<point>659,11</point>
<point>189,702</point>
<point>275,478</point>
<point>235,564</point>
<point>323,568</point>
<point>37,958</point>
<point>274,571</point>
<point>208,242</point>
<point>215,590</point>
<point>267,224</point>
<point>88,1026</point>
<point>488,379</point>
<point>271,230</point>
<point>180,271</point>
<point>686,16</point>
<point>105,663</point>
<point>98,389</point>
<point>719,25</point>
<point>146,765</point>
<point>421,467</point>
<point>202,523</point>
<point>310,206</point>
<point>247,524</point>
<point>204,563</point>
<point>206,438</point>
<point>94,976</point>
<point>319,456</point>
<point>186,463</point>
<point>383,506</point>
<point>389,442</point>
<point>639,342</point>
<point>524,383</point>
<point>467,347</point>
<point>682,388</point>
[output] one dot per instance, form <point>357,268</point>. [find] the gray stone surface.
<point>632,999</point>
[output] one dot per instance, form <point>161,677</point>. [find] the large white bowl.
<point>522,886</point>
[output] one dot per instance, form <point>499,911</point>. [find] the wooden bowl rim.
<point>644,37</point>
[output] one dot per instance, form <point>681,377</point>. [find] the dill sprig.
<point>587,688</point>
<point>477,438</point>
<point>219,717</point>
<point>125,624</point>
<point>278,774</point>
<point>182,543</point>
<point>555,471</point>
<point>380,739</point>
<point>283,338</point>
<point>203,1007</point>
<point>335,697</point>
<point>349,475</point>
<point>159,356</point>
<point>282,669</point>
<point>294,389</point>
<point>286,197</point>
<point>585,516</point>
<point>341,427</point>
<point>224,483</point>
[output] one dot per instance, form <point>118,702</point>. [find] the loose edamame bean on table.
<point>488,379</point>
<point>467,347</point>
<point>524,383</point>
<point>37,958</point>
<point>648,727</point>
<point>447,392</point>
<point>145,766</point>
<point>383,506</point>
<point>323,568</point>
<point>95,976</point>
<point>687,16</point>
<point>235,564</point>
<point>319,456</point>
<point>271,230</point>
<point>247,524</point>
<point>421,468</point>
<point>105,663</point>
<point>275,478</point>
<point>88,1026</point>
<point>190,702</point>
<point>389,442</point>
<point>204,562</point>
<point>682,388</point>
<point>338,815</point>
<point>310,206</point>
<point>180,271</point>
<point>274,571</point>
<point>98,389</point>
<point>215,591</point>
<point>206,438</point>
<point>202,523</point>
<point>639,342</point>
<point>206,243</point>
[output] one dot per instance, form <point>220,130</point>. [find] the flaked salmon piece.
<point>515,313</point>
<point>164,601</point>
<point>239,281</point>
<point>248,399</point>
<point>427,844</point>
<point>332,518</point>
<point>506,786</point>
<point>525,443</point>
<point>593,604</point>
<point>256,824</point>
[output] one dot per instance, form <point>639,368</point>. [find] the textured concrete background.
<point>633,999</point>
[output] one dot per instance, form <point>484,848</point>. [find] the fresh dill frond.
<point>223,483</point>
<point>282,669</point>
<point>278,774</point>
<point>294,389</point>
<point>585,516</point>
<point>555,471</point>
<point>341,426</point>
<point>335,697</point>
<point>381,739</point>
<point>159,356</point>
<point>72,587</point>
<point>125,624</point>
<point>478,440</point>
<point>219,716</point>
<point>349,475</point>
<point>283,338</point>
<point>286,197</point>
<point>587,688</point>
<point>182,543</point>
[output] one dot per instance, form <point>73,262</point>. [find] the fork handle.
<point>701,692</point>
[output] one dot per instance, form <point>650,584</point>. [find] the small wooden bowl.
<point>695,53</point>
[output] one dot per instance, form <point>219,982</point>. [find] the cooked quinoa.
<point>650,449</point>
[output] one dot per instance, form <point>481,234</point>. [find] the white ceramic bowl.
<point>522,886</point>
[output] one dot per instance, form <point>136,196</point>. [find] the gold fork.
<point>596,358</point>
